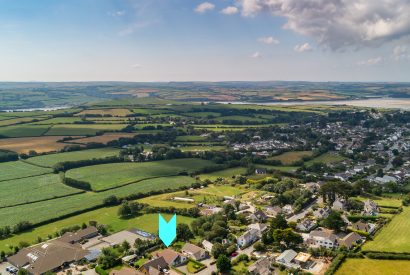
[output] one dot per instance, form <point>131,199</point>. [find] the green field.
<point>117,174</point>
<point>82,129</point>
<point>57,120</point>
<point>327,158</point>
<point>394,237</point>
<point>374,267</point>
<point>200,148</point>
<point>46,210</point>
<point>227,173</point>
<point>23,130</point>
<point>384,201</point>
<point>190,138</point>
<point>50,160</point>
<point>107,216</point>
<point>33,189</point>
<point>289,158</point>
<point>18,169</point>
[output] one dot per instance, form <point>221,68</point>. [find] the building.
<point>322,238</point>
<point>125,271</point>
<point>155,267</point>
<point>120,237</point>
<point>248,238</point>
<point>306,225</point>
<point>172,257</point>
<point>302,259</point>
<point>195,252</point>
<point>339,205</point>
<point>260,171</point>
<point>207,245</point>
<point>48,256</point>
<point>363,226</point>
<point>287,257</point>
<point>385,179</point>
<point>322,213</point>
<point>350,240</point>
<point>261,267</point>
<point>258,216</point>
<point>272,212</point>
<point>79,236</point>
<point>261,227</point>
<point>370,208</point>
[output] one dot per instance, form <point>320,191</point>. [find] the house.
<point>363,226</point>
<point>261,267</point>
<point>79,236</point>
<point>260,171</point>
<point>312,186</point>
<point>350,240</point>
<point>48,256</point>
<point>306,225</point>
<point>287,210</point>
<point>261,227</point>
<point>302,259</point>
<point>172,257</point>
<point>385,179</point>
<point>322,238</point>
<point>272,212</point>
<point>339,205</point>
<point>286,258</point>
<point>370,208</point>
<point>322,213</point>
<point>207,245</point>
<point>248,238</point>
<point>195,252</point>
<point>258,216</point>
<point>154,267</point>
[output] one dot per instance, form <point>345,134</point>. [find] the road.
<point>303,213</point>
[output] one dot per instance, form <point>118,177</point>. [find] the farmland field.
<point>38,144</point>
<point>40,211</point>
<point>289,158</point>
<point>105,138</point>
<point>327,158</point>
<point>117,174</point>
<point>190,138</point>
<point>374,267</point>
<point>383,201</point>
<point>51,159</point>
<point>16,121</point>
<point>23,130</point>
<point>201,148</point>
<point>18,169</point>
<point>394,236</point>
<point>105,112</point>
<point>227,173</point>
<point>31,189</point>
<point>82,129</point>
<point>107,216</point>
<point>58,120</point>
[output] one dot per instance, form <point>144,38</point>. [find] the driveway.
<point>3,268</point>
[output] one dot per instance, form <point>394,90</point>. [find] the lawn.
<point>383,201</point>
<point>289,158</point>
<point>50,160</point>
<point>117,174</point>
<point>31,189</point>
<point>38,144</point>
<point>46,210</point>
<point>18,169</point>
<point>23,130</point>
<point>107,216</point>
<point>394,237</point>
<point>194,266</point>
<point>327,158</point>
<point>82,129</point>
<point>374,267</point>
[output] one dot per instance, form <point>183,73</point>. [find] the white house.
<point>248,238</point>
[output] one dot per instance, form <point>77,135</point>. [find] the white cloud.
<point>303,48</point>
<point>401,52</point>
<point>117,13</point>
<point>204,7</point>
<point>370,62</point>
<point>230,10</point>
<point>268,40</point>
<point>256,55</point>
<point>136,66</point>
<point>339,24</point>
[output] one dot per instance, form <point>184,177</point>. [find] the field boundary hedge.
<point>32,176</point>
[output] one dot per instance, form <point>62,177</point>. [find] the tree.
<point>22,271</point>
<point>109,258</point>
<point>259,247</point>
<point>124,210</point>
<point>287,237</point>
<point>184,233</point>
<point>218,250</point>
<point>333,221</point>
<point>223,264</point>
<point>126,246</point>
<point>279,222</point>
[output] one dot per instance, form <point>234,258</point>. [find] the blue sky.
<point>187,40</point>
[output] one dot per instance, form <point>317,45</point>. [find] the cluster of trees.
<point>189,212</point>
<point>212,228</point>
<point>281,235</point>
<point>6,155</point>
<point>79,184</point>
<point>7,231</point>
<point>128,209</point>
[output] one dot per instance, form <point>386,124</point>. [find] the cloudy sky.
<point>182,40</point>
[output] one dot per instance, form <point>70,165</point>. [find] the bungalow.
<point>79,236</point>
<point>385,179</point>
<point>156,266</point>
<point>287,257</point>
<point>322,213</point>
<point>248,238</point>
<point>172,257</point>
<point>261,267</point>
<point>350,240</point>
<point>207,245</point>
<point>272,212</point>
<point>287,210</point>
<point>370,208</point>
<point>260,171</point>
<point>339,205</point>
<point>322,238</point>
<point>195,252</point>
<point>258,216</point>
<point>306,225</point>
<point>363,226</point>
<point>261,227</point>
<point>302,259</point>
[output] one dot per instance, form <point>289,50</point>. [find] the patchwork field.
<point>105,138</point>
<point>31,189</point>
<point>394,236</point>
<point>52,159</point>
<point>117,174</point>
<point>289,158</point>
<point>107,216</point>
<point>40,211</point>
<point>374,267</point>
<point>23,130</point>
<point>38,144</point>
<point>18,169</point>
<point>327,158</point>
<point>82,129</point>
<point>16,121</point>
<point>106,112</point>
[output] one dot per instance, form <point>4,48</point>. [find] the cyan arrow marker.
<point>167,230</point>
